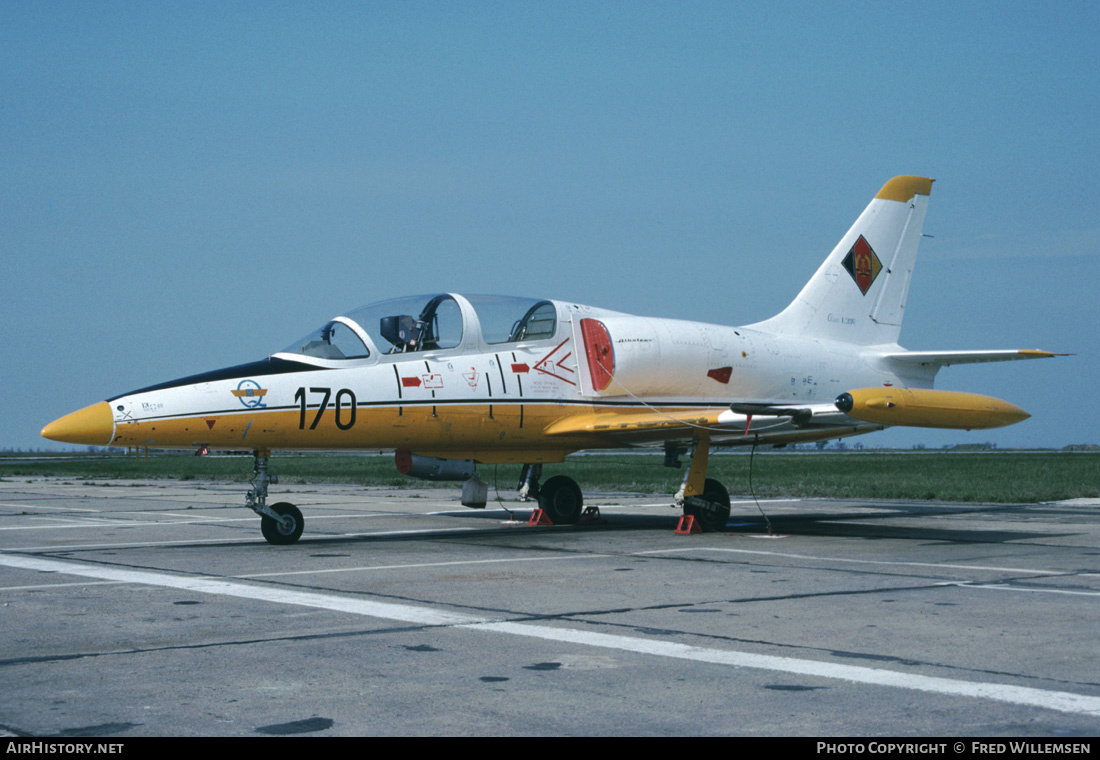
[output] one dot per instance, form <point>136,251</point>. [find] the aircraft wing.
<point>745,420</point>
<point>634,422</point>
<point>947,358</point>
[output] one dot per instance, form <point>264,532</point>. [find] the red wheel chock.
<point>591,516</point>
<point>687,526</point>
<point>539,517</point>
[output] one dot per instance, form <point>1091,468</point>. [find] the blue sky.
<point>188,186</point>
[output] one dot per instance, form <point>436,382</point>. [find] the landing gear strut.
<point>704,498</point>
<point>280,523</point>
<point>529,481</point>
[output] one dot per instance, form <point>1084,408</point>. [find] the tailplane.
<point>858,294</point>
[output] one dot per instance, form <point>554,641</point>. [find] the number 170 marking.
<point>345,401</point>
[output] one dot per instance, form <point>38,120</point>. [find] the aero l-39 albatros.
<point>448,381</point>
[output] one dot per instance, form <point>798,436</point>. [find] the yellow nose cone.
<point>93,425</point>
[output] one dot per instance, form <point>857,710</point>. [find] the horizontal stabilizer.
<point>947,358</point>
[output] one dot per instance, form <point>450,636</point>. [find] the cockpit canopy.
<point>429,323</point>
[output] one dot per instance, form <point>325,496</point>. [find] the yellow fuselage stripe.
<point>508,428</point>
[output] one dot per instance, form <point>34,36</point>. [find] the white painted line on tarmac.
<point>411,566</point>
<point>68,522</point>
<point>480,512</point>
<point>1003,587</point>
<point>135,544</point>
<point>422,532</point>
<point>106,522</point>
<point>384,610</point>
<point>1008,693</point>
<point>251,539</point>
<point>750,502</point>
<point>155,513</point>
<point>39,506</point>
<point>848,560</point>
<point>90,523</point>
<point>48,586</point>
<point>1021,695</point>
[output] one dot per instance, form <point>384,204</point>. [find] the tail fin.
<point>858,294</point>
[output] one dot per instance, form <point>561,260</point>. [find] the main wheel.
<point>712,509</point>
<point>560,498</point>
<point>285,531</point>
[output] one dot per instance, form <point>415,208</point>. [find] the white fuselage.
<point>492,402</point>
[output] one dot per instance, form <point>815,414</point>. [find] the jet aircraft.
<point>448,381</point>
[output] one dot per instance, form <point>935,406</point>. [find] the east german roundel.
<point>862,264</point>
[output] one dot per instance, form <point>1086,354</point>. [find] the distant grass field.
<point>997,477</point>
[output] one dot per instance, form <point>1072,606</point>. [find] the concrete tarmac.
<point>155,608</point>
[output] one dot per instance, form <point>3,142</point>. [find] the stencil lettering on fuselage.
<point>553,364</point>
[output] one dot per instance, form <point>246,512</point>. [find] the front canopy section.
<point>427,323</point>
<point>341,338</point>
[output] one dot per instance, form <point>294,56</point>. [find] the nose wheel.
<point>287,528</point>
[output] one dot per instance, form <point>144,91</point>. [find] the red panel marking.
<point>210,424</point>
<point>403,459</point>
<point>548,361</point>
<point>520,369</point>
<point>410,382</point>
<point>600,353</point>
<point>722,374</point>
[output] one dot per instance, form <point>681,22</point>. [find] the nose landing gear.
<point>559,497</point>
<point>282,523</point>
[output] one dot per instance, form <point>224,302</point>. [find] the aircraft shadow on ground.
<point>871,522</point>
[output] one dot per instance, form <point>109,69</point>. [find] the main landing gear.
<point>280,523</point>
<point>712,509</point>
<point>559,497</point>
<point>704,499</point>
